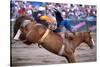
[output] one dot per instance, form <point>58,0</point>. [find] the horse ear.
<point>89,31</point>
<point>73,33</point>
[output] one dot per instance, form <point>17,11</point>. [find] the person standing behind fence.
<point>21,11</point>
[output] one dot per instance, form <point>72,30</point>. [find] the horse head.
<point>86,38</point>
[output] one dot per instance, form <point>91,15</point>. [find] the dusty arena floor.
<point>22,54</point>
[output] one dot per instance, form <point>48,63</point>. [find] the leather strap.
<point>44,36</point>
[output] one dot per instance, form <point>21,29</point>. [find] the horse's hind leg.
<point>69,56</point>
<point>39,45</point>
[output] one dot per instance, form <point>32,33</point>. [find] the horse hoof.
<point>27,42</point>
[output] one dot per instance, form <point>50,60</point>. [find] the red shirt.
<point>20,11</point>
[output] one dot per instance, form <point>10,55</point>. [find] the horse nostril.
<point>92,47</point>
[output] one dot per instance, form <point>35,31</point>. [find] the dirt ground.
<point>22,54</point>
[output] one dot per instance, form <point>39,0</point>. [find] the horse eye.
<point>90,37</point>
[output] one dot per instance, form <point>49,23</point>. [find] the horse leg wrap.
<point>17,35</point>
<point>61,50</point>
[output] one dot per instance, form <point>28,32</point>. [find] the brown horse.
<point>37,33</point>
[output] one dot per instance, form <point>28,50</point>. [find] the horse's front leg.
<point>69,55</point>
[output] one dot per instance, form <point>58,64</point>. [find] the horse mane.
<point>74,35</point>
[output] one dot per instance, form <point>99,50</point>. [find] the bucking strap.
<point>44,36</point>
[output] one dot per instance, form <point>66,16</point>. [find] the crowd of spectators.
<point>72,11</point>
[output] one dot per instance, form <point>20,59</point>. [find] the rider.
<point>50,21</point>
<point>61,22</point>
